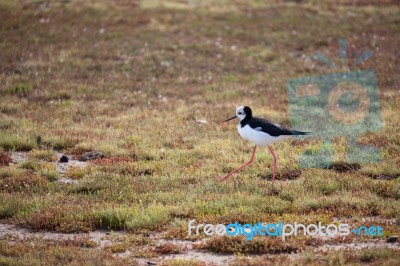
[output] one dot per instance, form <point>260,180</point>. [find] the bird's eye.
<point>240,113</point>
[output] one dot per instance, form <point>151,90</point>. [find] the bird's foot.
<point>222,179</point>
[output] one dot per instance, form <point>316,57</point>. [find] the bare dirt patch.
<point>62,167</point>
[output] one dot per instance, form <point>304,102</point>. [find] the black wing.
<point>272,129</point>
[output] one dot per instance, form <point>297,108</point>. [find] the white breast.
<point>258,138</point>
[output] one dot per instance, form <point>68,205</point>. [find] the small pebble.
<point>392,239</point>
<point>202,121</point>
<point>64,159</point>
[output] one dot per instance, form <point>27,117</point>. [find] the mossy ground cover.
<point>136,81</point>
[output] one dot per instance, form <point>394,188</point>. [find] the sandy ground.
<point>104,239</point>
<point>20,157</point>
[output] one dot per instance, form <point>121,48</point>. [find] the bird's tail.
<point>300,133</point>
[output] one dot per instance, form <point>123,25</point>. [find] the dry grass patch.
<point>5,159</point>
<point>23,181</point>
<point>65,218</point>
<point>43,155</point>
<point>17,143</point>
<point>169,248</point>
<point>258,245</point>
<point>46,252</point>
<point>75,172</point>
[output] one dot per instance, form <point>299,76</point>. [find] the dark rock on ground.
<point>392,239</point>
<point>87,156</point>
<point>39,141</point>
<point>64,159</point>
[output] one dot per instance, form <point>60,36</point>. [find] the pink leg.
<point>244,165</point>
<point>273,155</point>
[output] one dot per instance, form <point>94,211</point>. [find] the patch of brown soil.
<point>344,167</point>
<point>5,159</point>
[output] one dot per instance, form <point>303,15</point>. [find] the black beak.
<point>229,119</point>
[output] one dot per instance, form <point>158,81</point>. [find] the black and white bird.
<point>260,132</point>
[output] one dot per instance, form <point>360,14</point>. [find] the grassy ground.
<point>133,80</point>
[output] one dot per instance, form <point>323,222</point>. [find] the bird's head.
<point>241,112</point>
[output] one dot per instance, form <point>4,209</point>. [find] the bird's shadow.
<point>285,175</point>
<point>344,167</point>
